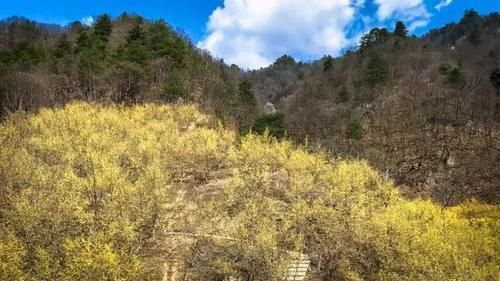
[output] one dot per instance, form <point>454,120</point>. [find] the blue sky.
<point>253,33</point>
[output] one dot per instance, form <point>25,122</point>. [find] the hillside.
<point>124,60</point>
<point>424,110</point>
<point>128,154</point>
<point>153,192</point>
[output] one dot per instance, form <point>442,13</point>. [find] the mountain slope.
<point>422,110</point>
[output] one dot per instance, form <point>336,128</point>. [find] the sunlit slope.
<point>92,192</point>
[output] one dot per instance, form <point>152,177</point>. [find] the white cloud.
<point>87,21</point>
<point>408,10</point>
<point>253,33</point>
<point>442,4</point>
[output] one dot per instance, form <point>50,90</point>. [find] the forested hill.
<point>425,111</point>
<point>127,154</point>
<point>124,60</point>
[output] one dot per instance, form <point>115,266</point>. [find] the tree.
<point>63,46</point>
<point>274,123</point>
<point>83,41</point>
<point>456,78</point>
<point>343,95</point>
<point>174,88</point>
<point>103,27</point>
<point>377,70</point>
<point>495,79</point>
<point>128,76</point>
<point>284,61</point>
<point>245,93</point>
<point>400,29</point>
<point>376,36</point>
<point>355,130</point>
<point>327,63</point>
<point>136,33</point>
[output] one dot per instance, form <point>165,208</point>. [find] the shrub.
<point>355,130</point>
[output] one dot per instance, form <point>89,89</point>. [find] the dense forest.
<point>126,153</point>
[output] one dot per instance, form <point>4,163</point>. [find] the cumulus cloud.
<point>253,33</point>
<point>442,4</point>
<point>87,21</point>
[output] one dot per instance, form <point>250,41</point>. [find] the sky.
<point>253,33</point>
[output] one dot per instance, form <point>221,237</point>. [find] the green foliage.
<point>23,31</point>
<point>174,88</point>
<point>344,95</point>
<point>327,63</point>
<point>136,33</point>
<point>92,58</point>
<point>284,61</point>
<point>62,47</point>
<point>470,20</point>
<point>454,76</point>
<point>245,93</point>
<point>273,123</point>
<point>400,30</point>
<point>375,37</point>
<point>445,68</point>
<point>355,129</point>
<point>377,70</point>
<point>495,79</point>
<point>103,27</point>
<point>27,55</point>
<point>163,42</point>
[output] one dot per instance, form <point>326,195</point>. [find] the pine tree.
<point>327,63</point>
<point>377,70</point>
<point>136,33</point>
<point>103,27</point>
<point>274,123</point>
<point>400,30</point>
<point>343,95</point>
<point>83,41</point>
<point>174,89</point>
<point>63,46</point>
<point>245,93</point>
<point>355,130</point>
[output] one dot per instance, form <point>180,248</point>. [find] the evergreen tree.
<point>400,29</point>
<point>355,130</point>
<point>377,69</point>
<point>343,95</point>
<point>136,33</point>
<point>103,27</point>
<point>63,46</point>
<point>83,41</point>
<point>174,88</point>
<point>327,63</point>
<point>495,79</point>
<point>245,93</point>
<point>274,123</point>
<point>456,78</point>
<point>374,37</point>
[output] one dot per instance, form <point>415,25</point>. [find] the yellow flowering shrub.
<point>88,191</point>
